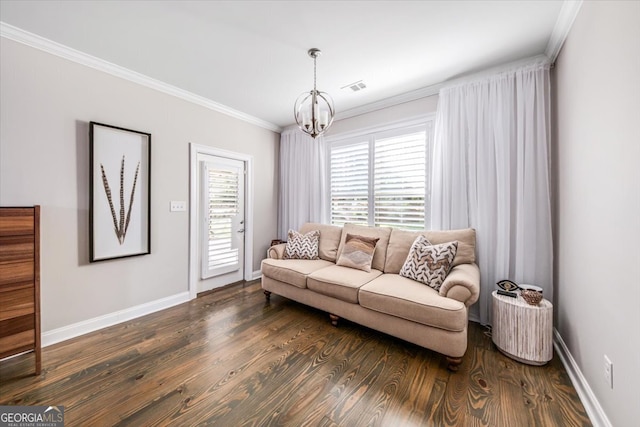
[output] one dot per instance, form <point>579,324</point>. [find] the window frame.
<point>370,134</point>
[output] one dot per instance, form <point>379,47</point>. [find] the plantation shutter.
<point>222,204</point>
<point>399,181</point>
<point>382,178</point>
<point>350,183</point>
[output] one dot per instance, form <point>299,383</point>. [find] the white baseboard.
<point>71,331</point>
<point>589,400</point>
<point>256,275</point>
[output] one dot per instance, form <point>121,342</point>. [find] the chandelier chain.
<point>314,73</point>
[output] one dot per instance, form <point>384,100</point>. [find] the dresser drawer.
<point>16,272</point>
<point>16,221</point>
<point>16,248</point>
<point>16,303</point>
<point>17,325</point>
<point>17,343</point>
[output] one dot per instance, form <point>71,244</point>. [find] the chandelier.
<point>314,111</point>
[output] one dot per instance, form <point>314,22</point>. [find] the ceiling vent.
<point>355,86</point>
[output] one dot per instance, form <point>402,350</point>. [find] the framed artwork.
<point>120,192</point>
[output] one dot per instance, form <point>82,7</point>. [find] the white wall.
<point>46,105</point>
<point>407,110</point>
<point>597,214</point>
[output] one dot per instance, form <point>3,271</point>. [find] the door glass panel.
<point>223,219</point>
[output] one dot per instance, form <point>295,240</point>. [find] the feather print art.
<point>121,224</point>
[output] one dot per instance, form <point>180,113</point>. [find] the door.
<point>222,219</point>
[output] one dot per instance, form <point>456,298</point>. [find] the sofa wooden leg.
<point>267,295</point>
<point>453,363</point>
<point>334,319</point>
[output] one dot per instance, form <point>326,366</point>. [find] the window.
<point>350,183</point>
<point>381,179</point>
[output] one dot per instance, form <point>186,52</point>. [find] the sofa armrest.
<point>276,251</point>
<point>462,284</point>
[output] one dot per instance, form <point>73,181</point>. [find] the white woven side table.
<point>522,331</point>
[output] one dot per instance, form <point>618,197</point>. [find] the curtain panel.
<point>491,172</point>
<point>302,181</point>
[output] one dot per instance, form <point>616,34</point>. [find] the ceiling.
<point>251,56</point>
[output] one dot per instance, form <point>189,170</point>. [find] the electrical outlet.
<point>608,371</point>
<point>178,206</point>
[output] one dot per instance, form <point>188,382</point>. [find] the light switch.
<point>178,206</point>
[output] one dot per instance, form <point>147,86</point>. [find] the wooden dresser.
<point>20,282</point>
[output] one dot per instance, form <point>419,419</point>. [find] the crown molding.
<point>567,15</point>
<point>54,48</point>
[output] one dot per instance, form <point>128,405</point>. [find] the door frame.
<point>194,268</point>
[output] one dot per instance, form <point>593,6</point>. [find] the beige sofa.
<point>382,299</point>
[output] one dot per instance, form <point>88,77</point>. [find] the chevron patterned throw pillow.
<point>302,246</point>
<point>427,263</point>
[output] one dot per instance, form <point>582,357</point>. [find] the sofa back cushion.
<point>401,240</point>
<point>329,239</point>
<point>382,233</point>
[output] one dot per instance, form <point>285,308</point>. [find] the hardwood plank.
<point>230,358</point>
<point>482,401</point>
<point>223,373</point>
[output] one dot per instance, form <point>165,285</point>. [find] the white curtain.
<point>302,181</point>
<point>491,172</point>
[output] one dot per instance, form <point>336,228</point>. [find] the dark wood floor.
<point>231,359</point>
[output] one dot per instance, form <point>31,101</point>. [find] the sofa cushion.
<point>401,240</point>
<point>358,252</point>
<point>292,271</point>
<point>405,298</point>
<point>302,246</point>
<point>381,233</point>
<point>329,239</point>
<point>340,282</point>
<point>427,263</point>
